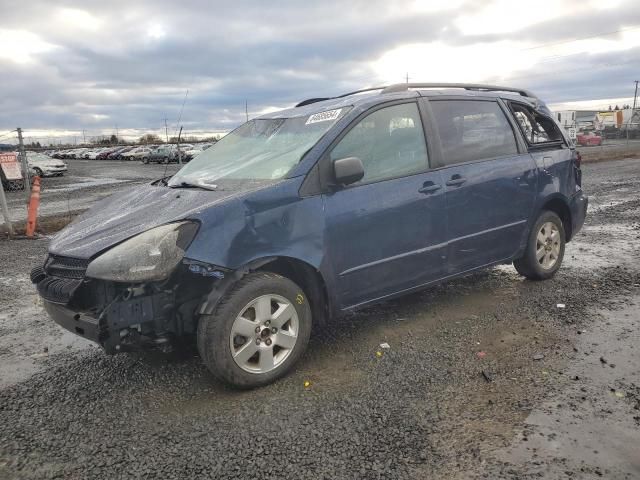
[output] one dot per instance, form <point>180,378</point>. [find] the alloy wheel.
<point>548,245</point>
<point>264,334</point>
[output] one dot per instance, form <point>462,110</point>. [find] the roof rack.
<point>401,87</point>
<point>314,100</point>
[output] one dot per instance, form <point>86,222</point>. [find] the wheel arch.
<point>560,206</point>
<point>309,278</point>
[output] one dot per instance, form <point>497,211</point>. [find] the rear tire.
<point>543,255</point>
<point>257,332</point>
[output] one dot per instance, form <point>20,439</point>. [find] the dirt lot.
<point>486,377</point>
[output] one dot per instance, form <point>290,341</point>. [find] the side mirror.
<point>348,170</point>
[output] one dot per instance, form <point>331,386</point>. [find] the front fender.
<point>273,222</point>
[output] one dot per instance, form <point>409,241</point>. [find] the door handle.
<point>455,181</point>
<point>429,188</point>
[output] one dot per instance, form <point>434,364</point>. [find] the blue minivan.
<point>306,213</point>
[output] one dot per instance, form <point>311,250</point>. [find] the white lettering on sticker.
<point>323,116</point>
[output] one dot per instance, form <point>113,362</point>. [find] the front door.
<point>386,233</point>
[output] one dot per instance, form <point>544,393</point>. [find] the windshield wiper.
<point>162,181</point>
<point>204,186</point>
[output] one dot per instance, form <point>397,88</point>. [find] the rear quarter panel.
<point>556,176</point>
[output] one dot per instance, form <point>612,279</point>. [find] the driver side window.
<point>390,142</point>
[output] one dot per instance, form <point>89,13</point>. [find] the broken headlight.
<point>149,256</point>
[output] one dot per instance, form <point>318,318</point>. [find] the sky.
<point>125,66</point>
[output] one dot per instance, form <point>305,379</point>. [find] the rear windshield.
<point>261,149</point>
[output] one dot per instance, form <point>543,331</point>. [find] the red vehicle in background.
<point>588,139</point>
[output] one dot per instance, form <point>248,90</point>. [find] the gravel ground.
<point>486,377</point>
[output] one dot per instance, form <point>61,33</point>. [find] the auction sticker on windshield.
<point>10,166</point>
<point>323,116</point>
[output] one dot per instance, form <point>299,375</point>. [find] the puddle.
<point>84,182</point>
<point>602,245</point>
<point>590,428</point>
<point>29,337</point>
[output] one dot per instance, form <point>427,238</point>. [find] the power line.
<point>581,38</point>
<point>11,133</point>
<point>555,74</point>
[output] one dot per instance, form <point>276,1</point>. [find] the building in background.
<point>608,123</point>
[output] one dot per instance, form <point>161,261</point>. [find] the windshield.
<point>261,149</point>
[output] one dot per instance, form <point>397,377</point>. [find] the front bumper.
<point>115,317</point>
<point>122,326</point>
<point>53,170</point>
<point>78,323</point>
<point>578,206</point>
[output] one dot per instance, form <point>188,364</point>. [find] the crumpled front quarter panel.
<point>271,222</point>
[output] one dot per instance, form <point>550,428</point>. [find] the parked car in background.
<point>44,166</point>
<point>76,153</point>
<point>121,155</point>
<point>93,154</point>
<point>588,139</point>
<point>113,153</point>
<point>162,154</point>
<point>312,212</point>
<point>190,154</point>
<point>139,153</point>
<point>105,153</point>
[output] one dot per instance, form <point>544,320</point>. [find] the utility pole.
<point>633,110</point>
<point>166,128</point>
<point>84,139</point>
<point>25,165</point>
<point>179,152</point>
<point>407,78</point>
<point>246,109</point>
<point>5,210</point>
<point>117,141</point>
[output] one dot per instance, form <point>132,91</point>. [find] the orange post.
<point>34,202</point>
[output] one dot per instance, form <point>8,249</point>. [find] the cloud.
<point>93,64</point>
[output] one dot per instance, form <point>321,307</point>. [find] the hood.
<point>123,215</point>
<point>44,161</point>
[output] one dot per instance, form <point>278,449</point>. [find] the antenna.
<point>181,110</point>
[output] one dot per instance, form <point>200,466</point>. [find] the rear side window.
<point>537,129</point>
<point>390,142</point>
<point>472,130</point>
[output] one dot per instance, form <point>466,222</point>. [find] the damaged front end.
<point>140,293</point>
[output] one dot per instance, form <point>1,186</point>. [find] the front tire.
<point>257,332</point>
<point>545,248</point>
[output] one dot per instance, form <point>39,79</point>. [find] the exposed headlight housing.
<point>147,257</point>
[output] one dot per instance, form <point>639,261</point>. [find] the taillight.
<point>578,159</point>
